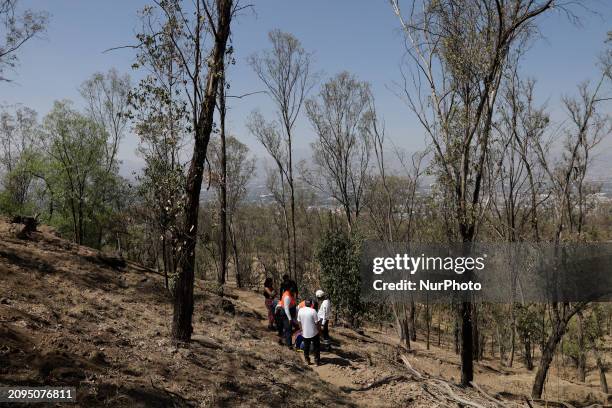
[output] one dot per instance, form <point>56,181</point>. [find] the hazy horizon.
<point>365,40</point>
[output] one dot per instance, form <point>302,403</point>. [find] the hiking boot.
<point>307,361</point>
<point>318,362</point>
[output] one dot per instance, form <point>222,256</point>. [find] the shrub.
<point>338,256</point>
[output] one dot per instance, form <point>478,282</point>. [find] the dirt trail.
<point>367,368</point>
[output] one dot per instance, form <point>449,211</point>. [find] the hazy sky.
<point>360,36</point>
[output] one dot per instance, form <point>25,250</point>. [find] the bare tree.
<point>268,134</point>
<point>285,70</point>
<point>516,187</point>
<point>459,51</point>
<point>340,116</point>
<point>107,101</point>
<point>17,29</point>
<point>239,168</point>
<point>586,128</point>
<point>391,201</point>
<point>198,37</point>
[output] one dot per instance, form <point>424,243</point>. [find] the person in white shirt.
<point>324,314</point>
<point>309,323</point>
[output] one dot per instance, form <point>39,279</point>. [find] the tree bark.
<point>602,373</point>
<point>412,321</point>
<point>467,365</point>
<point>513,339</point>
<point>548,351</point>
<point>528,354</point>
<point>223,210</point>
<point>203,121</point>
<point>581,350</point>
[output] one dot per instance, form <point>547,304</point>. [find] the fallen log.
<point>450,394</point>
<point>378,383</point>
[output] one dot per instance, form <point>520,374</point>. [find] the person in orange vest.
<point>289,307</point>
<point>303,304</point>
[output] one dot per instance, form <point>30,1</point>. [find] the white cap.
<point>319,293</point>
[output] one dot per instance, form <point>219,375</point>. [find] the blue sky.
<point>360,36</point>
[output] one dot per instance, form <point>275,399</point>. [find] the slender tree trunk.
<point>203,121</point>
<point>475,334</point>
<point>581,350</point>
<point>467,365</point>
<point>164,260</point>
<point>412,321</point>
<point>234,241</point>
<point>289,263</point>
<point>75,226</point>
<point>548,351</point>
<point>500,345</point>
<point>292,209</point>
<point>406,328</point>
<point>427,321</point>
<point>223,204</point>
<point>602,372</point>
<point>528,353</point>
<point>81,229</point>
<point>513,338</point>
<point>439,326</point>
<point>457,331</point>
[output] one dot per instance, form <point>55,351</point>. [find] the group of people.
<point>298,324</point>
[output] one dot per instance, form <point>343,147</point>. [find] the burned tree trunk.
<point>203,122</point>
<point>560,323</point>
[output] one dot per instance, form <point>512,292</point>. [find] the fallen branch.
<point>409,366</point>
<point>454,397</point>
<point>378,383</point>
<point>527,401</point>
<point>434,396</point>
<point>487,396</point>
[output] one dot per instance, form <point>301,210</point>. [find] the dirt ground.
<point>68,317</point>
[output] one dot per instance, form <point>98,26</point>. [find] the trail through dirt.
<point>368,368</point>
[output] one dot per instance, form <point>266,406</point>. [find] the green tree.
<point>73,166</point>
<point>338,255</point>
<point>18,131</point>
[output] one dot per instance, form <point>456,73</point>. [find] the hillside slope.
<point>69,317</point>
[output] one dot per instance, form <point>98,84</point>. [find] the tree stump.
<point>29,225</point>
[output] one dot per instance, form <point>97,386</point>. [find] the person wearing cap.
<point>324,313</point>
<point>309,324</point>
